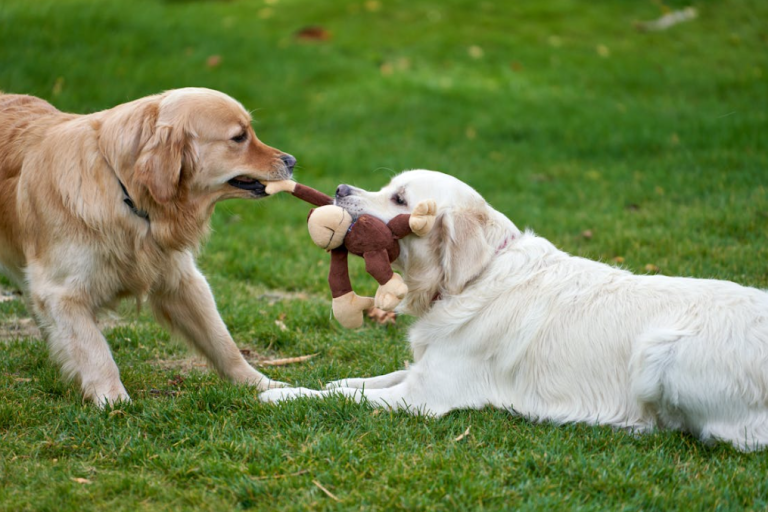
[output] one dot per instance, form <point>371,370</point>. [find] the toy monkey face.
<point>328,225</point>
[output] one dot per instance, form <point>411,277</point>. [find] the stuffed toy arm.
<point>400,226</point>
<point>419,222</point>
<point>303,192</point>
<point>274,187</point>
<point>423,217</point>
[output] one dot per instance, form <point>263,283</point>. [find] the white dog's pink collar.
<point>505,243</point>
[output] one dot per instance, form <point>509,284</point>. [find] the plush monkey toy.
<point>333,228</point>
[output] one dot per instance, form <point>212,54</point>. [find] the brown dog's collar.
<point>129,202</point>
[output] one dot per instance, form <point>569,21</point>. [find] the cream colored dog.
<point>95,208</point>
<point>506,319</point>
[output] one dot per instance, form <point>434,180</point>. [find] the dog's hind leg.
<point>655,353</point>
<point>75,342</point>
<point>746,434</point>
<point>185,303</point>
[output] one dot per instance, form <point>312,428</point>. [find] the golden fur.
<point>74,247</point>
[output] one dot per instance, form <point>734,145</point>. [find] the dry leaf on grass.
<point>312,33</point>
<point>287,360</point>
<point>465,434</point>
<point>326,491</point>
<point>163,392</point>
<point>669,19</point>
<point>177,380</point>
<point>475,52</point>
<point>286,475</point>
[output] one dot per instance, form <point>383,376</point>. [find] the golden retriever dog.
<point>95,208</point>
<point>505,319</point>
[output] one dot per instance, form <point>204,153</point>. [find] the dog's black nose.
<point>343,191</point>
<point>289,161</point>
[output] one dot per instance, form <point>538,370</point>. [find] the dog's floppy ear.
<point>124,130</point>
<point>145,146</point>
<point>159,164</point>
<point>460,234</point>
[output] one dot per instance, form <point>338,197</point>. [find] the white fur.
<point>524,326</point>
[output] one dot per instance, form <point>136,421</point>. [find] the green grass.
<point>659,148</point>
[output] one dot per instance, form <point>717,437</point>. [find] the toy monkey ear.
<point>328,226</point>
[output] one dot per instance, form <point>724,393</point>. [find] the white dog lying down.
<point>508,320</point>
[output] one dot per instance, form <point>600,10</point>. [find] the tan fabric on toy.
<point>333,228</point>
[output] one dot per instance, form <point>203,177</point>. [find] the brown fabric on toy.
<point>311,195</point>
<point>376,243</point>
<point>333,229</point>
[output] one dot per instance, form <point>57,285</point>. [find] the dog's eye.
<point>398,200</point>
<point>240,138</point>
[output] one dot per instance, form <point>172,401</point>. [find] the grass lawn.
<point>649,149</point>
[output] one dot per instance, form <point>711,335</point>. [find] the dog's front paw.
<point>337,384</point>
<point>423,217</point>
<point>275,384</point>
<point>258,380</point>
<point>104,394</point>
<point>283,394</point>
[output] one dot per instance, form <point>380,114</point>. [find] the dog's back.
<point>20,117</point>
<point>23,121</point>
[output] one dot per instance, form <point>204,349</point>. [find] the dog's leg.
<point>399,397</point>
<point>185,303</point>
<point>380,382</point>
<point>75,342</point>
<point>432,393</point>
